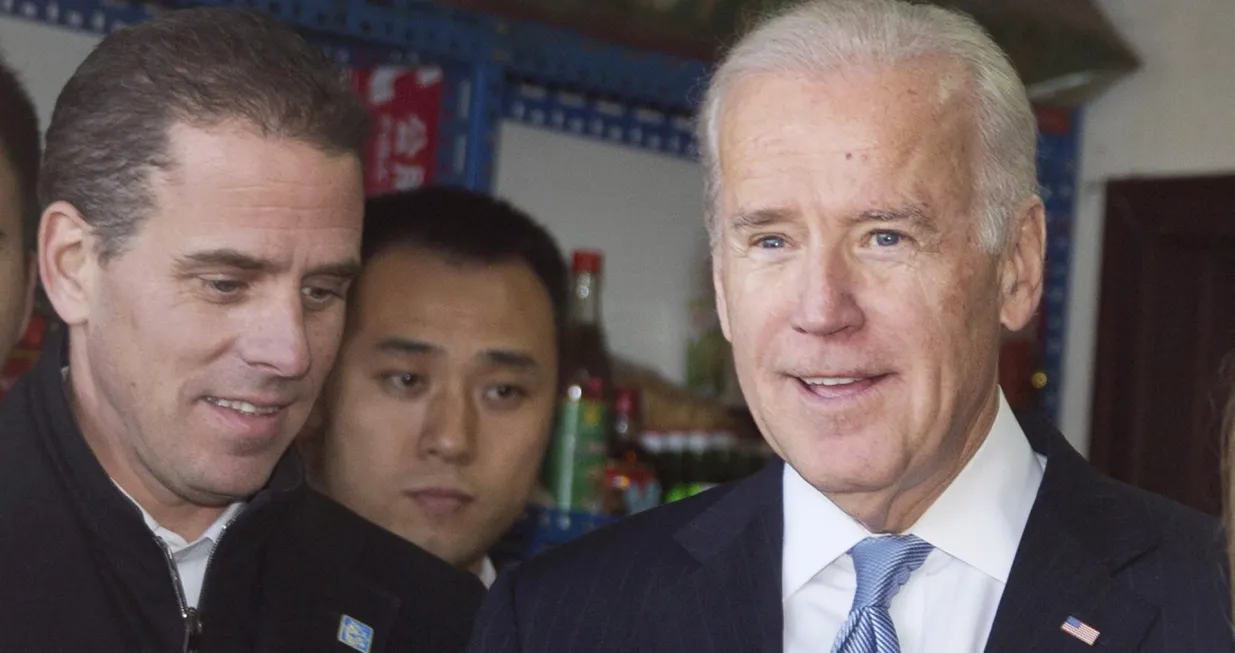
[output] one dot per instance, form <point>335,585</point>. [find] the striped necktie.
<point>883,564</point>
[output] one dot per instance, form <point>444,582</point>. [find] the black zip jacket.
<point>80,571</point>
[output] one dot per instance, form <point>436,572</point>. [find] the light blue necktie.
<point>883,564</point>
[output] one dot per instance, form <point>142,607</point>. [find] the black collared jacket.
<point>80,570</point>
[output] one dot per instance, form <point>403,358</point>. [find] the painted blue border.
<point>1058,173</point>
<point>91,16</point>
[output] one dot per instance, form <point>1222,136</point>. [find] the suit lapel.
<point>1076,540</point>
<point>731,601</point>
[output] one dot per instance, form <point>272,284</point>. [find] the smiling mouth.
<point>244,407</point>
<point>830,381</point>
<point>839,387</point>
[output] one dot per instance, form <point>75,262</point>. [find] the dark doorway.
<point>1166,322</point>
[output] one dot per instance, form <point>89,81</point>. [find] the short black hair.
<point>19,141</point>
<point>473,227</point>
<point>200,67</point>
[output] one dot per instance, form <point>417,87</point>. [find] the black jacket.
<point>80,570</point>
<point>704,575</point>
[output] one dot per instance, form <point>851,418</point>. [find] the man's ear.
<point>1022,264</point>
<point>67,261</point>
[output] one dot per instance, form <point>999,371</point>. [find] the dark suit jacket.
<point>82,572</point>
<point>703,575</point>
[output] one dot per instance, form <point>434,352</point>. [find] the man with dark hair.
<point>438,412</point>
<point>19,210</point>
<point>203,218</point>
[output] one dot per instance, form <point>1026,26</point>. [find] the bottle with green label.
<point>574,470</point>
<point>575,467</point>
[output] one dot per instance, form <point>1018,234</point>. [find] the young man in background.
<point>441,403</point>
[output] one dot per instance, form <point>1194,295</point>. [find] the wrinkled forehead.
<point>910,123</point>
<point>914,100</point>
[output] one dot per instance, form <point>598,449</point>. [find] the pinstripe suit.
<point>703,575</point>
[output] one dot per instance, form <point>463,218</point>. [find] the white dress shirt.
<point>948,605</point>
<point>488,573</point>
<point>190,557</point>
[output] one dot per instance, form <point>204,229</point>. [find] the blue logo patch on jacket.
<point>355,634</point>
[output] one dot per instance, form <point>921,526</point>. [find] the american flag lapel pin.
<point>1080,630</point>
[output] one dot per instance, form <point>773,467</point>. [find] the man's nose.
<point>278,338</point>
<point>450,428</point>
<point>826,303</point>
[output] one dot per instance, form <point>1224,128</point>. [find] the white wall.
<point>1174,117</point>
<point>45,57</point>
<point>643,210</point>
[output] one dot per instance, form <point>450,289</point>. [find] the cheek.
<point>937,321</point>
<point>511,447</point>
<point>759,309</point>
<point>324,332</point>
<point>12,292</point>
<point>370,433</point>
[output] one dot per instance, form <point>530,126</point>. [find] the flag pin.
<point>1080,630</point>
<point>356,634</point>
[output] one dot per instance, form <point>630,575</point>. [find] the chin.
<point>245,478</point>
<point>441,546</point>
<point>838,467</point>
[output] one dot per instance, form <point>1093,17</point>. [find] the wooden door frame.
<point>1139,211</point>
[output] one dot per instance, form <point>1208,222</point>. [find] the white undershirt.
<point>948,605</point>
<point>191,557</point>
<point>487,573</point>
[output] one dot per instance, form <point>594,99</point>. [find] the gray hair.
<point>819,36</point>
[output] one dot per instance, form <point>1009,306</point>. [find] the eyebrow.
<point>749,220</point>
<point>231,258</point>
<point>406,346</point>
<point>914,214</point>
<point>502,357</point>
<point>511,358</point>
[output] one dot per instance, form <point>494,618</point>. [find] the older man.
<point>202,225</point>
<point>875,226</point>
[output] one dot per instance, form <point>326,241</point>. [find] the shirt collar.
<point>175,542</point>
<point>978,519</point>
<point>817,532</point>
<point>487,573</point>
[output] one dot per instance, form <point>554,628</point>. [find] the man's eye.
<point>318,295</point>
<point>770,242</point>
<point>887,239</point>
<point>505,392</point>
<point>224,286</point>
<point>403,380</point>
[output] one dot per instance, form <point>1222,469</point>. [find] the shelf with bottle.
<point>626,439</point>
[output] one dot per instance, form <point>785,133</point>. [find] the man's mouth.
<point>245,407</point>
<point>830,380</point>
<point>839,386</point>
<point>441,502</point>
